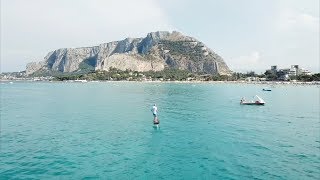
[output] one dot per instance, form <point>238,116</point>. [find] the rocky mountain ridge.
<point>158,50</point>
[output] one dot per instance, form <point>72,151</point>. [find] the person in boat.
<point>242,100</point>
<point>154,111</point>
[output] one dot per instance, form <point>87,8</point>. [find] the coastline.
<point>271,83</point>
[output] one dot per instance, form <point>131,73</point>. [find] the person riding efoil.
<point>154,111</point>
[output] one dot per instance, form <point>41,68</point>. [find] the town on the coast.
<point>294,74</point>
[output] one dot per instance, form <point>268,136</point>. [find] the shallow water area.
<point>105,130</point>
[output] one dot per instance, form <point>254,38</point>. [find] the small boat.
<point>258,101</point>
<point>266,89</point>
<point>80,80</point>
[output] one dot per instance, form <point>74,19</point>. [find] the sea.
<point>104,130</point>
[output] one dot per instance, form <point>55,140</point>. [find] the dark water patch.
<point>300,117</point>
<point>260,147</point>
<point>91,177</point>
<point>286,145</point>
<point>61,172</point>
<point>300,156</point>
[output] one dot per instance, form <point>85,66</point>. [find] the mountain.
<point>158,50</point>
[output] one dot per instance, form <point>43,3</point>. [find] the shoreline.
<point>313,83</point>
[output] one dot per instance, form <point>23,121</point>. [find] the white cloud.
<point>295,39</point>
<point>35,27</point>
<point>244,63</point>
<point>294,21</point>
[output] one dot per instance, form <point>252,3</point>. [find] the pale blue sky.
<point>248,34</point>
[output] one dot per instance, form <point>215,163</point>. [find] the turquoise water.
<point>104,130</point>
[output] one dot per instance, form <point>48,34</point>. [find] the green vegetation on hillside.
<point>114,74</point>
<point>88,64</point>
<point>183,48</point>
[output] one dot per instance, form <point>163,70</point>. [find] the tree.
<point>251,74</point>
<point>316,77</point>
<point>271,75</point>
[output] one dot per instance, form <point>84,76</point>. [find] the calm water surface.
<point>104,130</point>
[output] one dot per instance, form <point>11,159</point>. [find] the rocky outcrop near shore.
<point>158,50</point>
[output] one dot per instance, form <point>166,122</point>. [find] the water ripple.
<point>104,131</point>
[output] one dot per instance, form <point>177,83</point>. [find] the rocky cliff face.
<point>155,52</point>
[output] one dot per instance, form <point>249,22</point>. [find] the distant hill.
<point>158,50</point>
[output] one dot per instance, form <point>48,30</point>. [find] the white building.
<point>294,70</point>
<point>305,72</point>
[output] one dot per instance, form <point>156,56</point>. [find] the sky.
<point>250,35</point>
